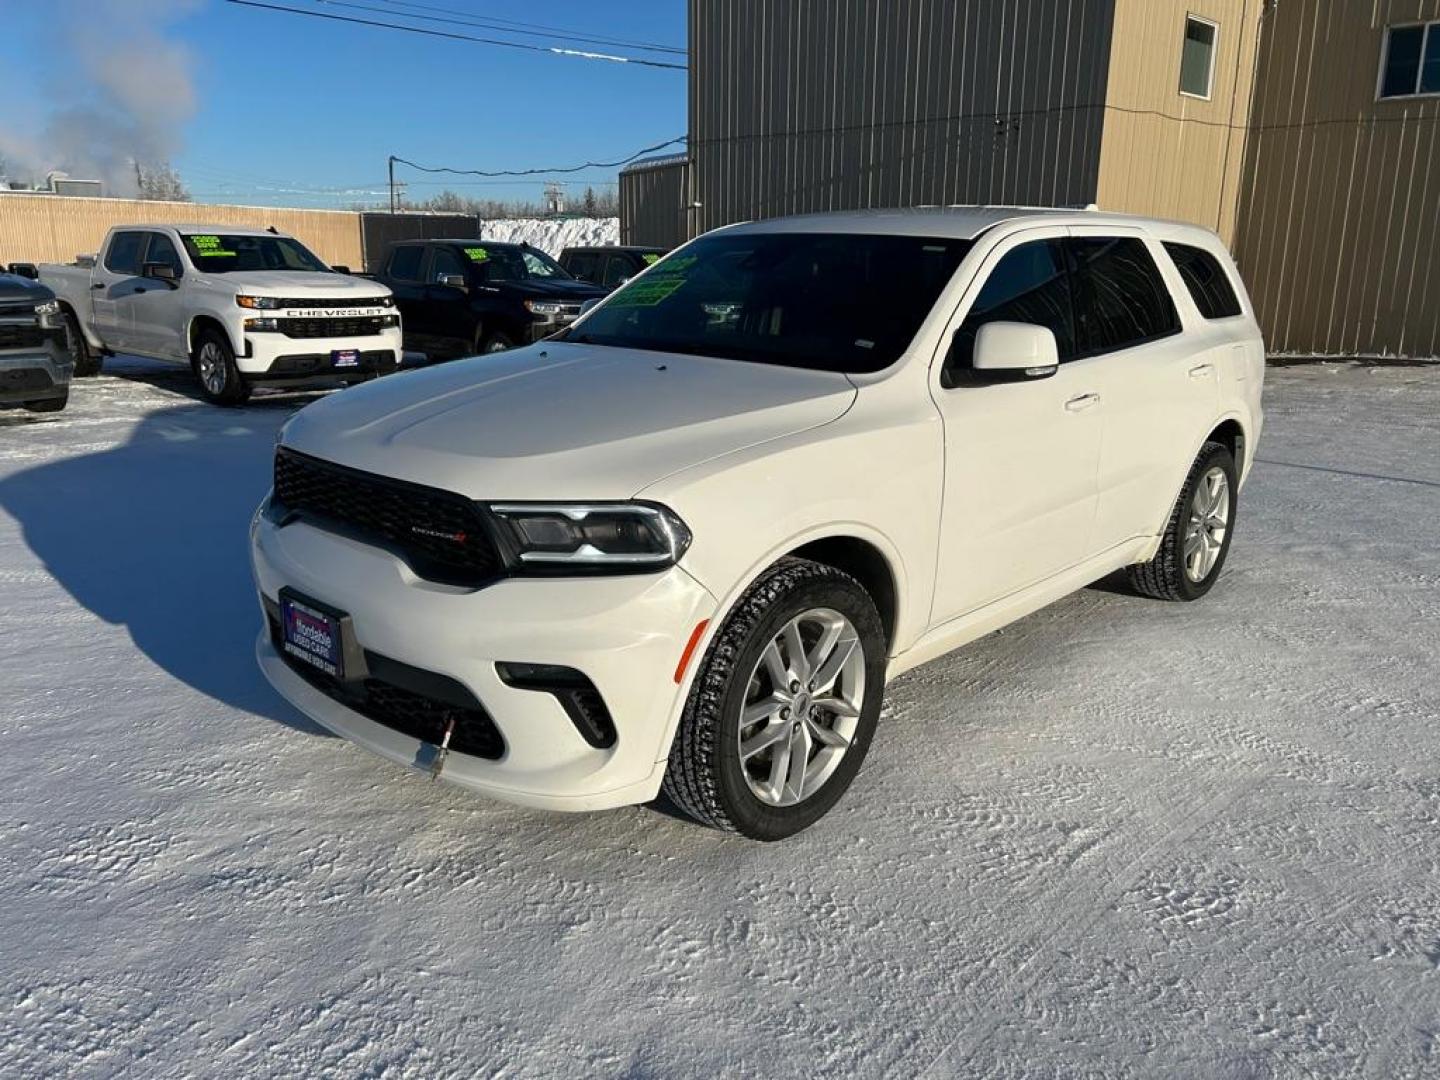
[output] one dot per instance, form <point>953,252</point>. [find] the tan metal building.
<point>1303,131</point>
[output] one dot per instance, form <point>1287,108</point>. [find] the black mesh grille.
<point>13,336</point>
<point>439,534</point>
<point>326,328</point>
<point>295,303</point>
<point>403,710</point>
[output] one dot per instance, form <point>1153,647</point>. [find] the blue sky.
<point>281,106</point>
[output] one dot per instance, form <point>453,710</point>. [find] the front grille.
<point>294,303</point>
<point>440,535</point>
<point>401,709</point>
<point>21,336</point>
<point>332,328</point>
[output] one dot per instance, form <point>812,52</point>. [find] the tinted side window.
<point>1120,297</point>
<point>583,265</point>
<point>445,261</point>
<point>1206,281</point>
<point>405,262</point>
<point>617,269</point>
<point>162,250</point>
<point>1028,285</point>
<point>123,255</point>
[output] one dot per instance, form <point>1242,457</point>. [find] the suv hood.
<point>556,289</point>
<point>13,287</point>
<point>559,421</point>
<point>298,283</point>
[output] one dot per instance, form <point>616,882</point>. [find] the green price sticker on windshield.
<point>650,258</point>
<point>476,254</point>
<point>206,246</point>
<point>655,286</point>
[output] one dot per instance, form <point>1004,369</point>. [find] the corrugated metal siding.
<point>56,228</point>
<point>1340,223</point>
<point>1165,154</point>
<point>653,198</point>
<point>803,105</point>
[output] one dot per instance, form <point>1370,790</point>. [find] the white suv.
<point>685,543</point>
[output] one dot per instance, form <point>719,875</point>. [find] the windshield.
<point>221,254</point>
<point>818,300</point>
<point>514,264</point>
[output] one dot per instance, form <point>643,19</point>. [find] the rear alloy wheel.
<point>497,342</point>
<point>214,362</point>
<point>783,706</point>
<point>1197,536</point>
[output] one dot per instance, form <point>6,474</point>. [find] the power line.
<point>453,36</point>
<point>537,172</point>
<point>504,26</point>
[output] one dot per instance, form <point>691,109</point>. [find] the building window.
<point>1197,57</point>
<point>1411,63</point>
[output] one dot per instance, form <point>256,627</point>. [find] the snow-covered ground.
<point>553,236</point>
<point>1120,838</point>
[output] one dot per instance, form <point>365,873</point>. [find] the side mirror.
<point>1013,352</point>
<point>453,281</point>
<point>588,306</point>
<point>340,268</point>
<point>159,271</point>
<point>25,270</point>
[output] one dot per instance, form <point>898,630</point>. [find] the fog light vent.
<point>576,693</point>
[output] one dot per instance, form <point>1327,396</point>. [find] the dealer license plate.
<point>312,635</point>
<point>345,358</point>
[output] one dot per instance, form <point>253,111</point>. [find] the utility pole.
<point>391,163</point>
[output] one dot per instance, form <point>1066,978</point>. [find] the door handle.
<point>1082,402</point>
<point>1201,371</point>
<point>97,284</point>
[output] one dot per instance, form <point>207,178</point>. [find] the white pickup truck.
<point>244,307</point>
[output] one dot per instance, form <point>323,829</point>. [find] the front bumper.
<point>625,633</point>
<point>35,374</point>
<point>275,359</point>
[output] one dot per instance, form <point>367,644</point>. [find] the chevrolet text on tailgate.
<point>683,543</point>
<point>244,307</point>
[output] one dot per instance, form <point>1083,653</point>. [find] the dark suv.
<point>463,297</point>
<point>608,266</point>
<point>35,358</point>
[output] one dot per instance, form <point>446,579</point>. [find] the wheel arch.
<point>199,324</point>
<point>867,564</point>
<point>91,340</point>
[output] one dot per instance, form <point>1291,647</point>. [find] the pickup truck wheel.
<point>87,361</point>
<point>1197,536</point>
<point>54,404</point>
<point>783,706</point>
<point>496,342</point>
<point>214,364</point>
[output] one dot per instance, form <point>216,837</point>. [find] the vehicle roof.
<point>227,230</point>
<point>958,222</point>
<point>614,247</point>
<point>461,241</point>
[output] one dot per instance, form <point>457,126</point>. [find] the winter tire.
<point>783,706</point>
<point>214,363</point>
<point>54,404</point>
<point>87,360</point>
<point>1197,536</point>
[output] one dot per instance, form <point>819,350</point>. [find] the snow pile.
<point>553,235</point>
<point>1120,838</point>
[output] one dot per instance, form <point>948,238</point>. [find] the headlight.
<point>263,303</point>
<point>47,314</point>
<point>548,308</point>
<point>382,301</point>
<point>615,537</point>
<point>266,325</point>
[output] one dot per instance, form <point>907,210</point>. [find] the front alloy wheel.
<point>802,707</point>
<point>783,706</point>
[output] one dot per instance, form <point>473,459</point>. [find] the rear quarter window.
<point>1207,281</point>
